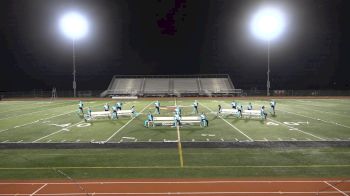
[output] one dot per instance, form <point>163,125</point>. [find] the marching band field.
<point>59,121</point>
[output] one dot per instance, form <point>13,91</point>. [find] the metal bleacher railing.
<point>96,93</point>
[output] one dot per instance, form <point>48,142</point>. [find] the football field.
<point>58,121</point>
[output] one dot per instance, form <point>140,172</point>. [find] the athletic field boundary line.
<point>121,128</point>
<point>174,182</point>
<point>37,190</point>
<point>342,192</point>
<point>296,129</point>
<point>230,124</point>
<point>182,193</point>
<point>174,167</point>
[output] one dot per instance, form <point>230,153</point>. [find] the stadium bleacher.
<point>171,85</point>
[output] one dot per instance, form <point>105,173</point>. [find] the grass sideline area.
<point>164,163</point>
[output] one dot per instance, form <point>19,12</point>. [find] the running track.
<point>329,187</point>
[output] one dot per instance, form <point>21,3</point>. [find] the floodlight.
<point>74,25</point>
<point>268,23</point>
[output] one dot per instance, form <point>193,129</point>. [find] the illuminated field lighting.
<point>74,25</point>
<point>268,23</point>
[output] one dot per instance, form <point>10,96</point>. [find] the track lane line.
<point>342,192</point>
<point>175,182</point>
<point>184,193</point>
<point>38,189</point>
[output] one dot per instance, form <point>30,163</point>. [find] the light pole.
<point>267,24</point>
<point>268,69</point>
<point>74,26</point>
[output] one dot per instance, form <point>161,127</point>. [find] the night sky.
<point>173,37</point>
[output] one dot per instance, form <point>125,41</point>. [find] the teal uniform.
<point>119,106</point>
<point>234,105</point>
<point>149,119</point>
<point>273,106</point>
<point>178,111</point>
<point>204,120</point>
<point>81,105</point>
<point>177,120</point>
<point>157,105</point>
<point>114,112</point>
<point>106,107</point>
<point>263,113</point>
<point>195,107</point>
<point>250,107</point>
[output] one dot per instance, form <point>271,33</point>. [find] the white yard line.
<point>318,119</point>
<point>321,111</point>
<point>35,112</point>
<point>38,189</point>
<point>121,128</point>
<point>42,119</point>
<point>3,130</point>
<point>230,124</point>
<point>342,192</point>
<point>31,106</point>
<point>57,132</point>
<point>296,129</point>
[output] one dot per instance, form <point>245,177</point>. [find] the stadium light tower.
<point>74,26</point>
<point>267,24</point>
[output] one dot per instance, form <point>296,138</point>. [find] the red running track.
<point>236,187</point>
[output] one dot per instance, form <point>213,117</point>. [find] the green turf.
<point>164,163</point>
<point>57,121</point>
